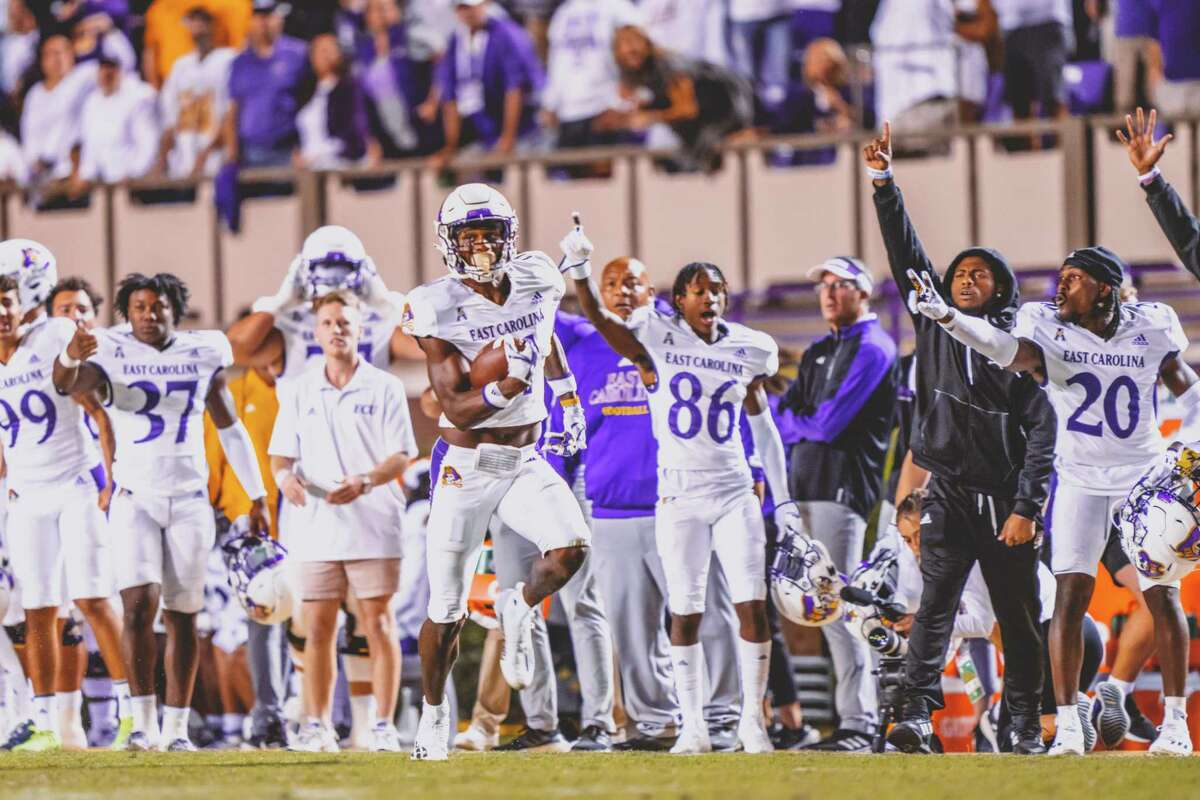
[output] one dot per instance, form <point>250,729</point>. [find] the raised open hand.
<point>1138,138</point>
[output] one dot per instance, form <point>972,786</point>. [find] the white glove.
<point>788,520</point>
<point>577,252</point>
<point>573,437</point>
<point>929,301</point>
<point>288,296</point>
<point>521,362</point>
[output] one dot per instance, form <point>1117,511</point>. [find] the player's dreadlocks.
<point>74,284</point>
<point>164,284</point>
<point>688,274</point>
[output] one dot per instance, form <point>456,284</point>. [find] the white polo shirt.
<point>334,433</point>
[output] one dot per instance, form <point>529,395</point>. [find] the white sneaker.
<point>433,734</point>
<point>314,737</point>
<point>139,742</point>
<point>1108,708</point>
<point>752,735</point>
<point>1174,739</point>
<point>692,741</point>
<point>1068,740</point>
<point>475,740</point>
<point>516,621</point>
<point>182,745</point>
<point>1084,706</point>
<point>385,738</point>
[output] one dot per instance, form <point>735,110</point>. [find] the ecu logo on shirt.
<point>451,477</point>
<point>406,319</point>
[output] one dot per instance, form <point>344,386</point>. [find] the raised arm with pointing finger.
<point>1178,224</point>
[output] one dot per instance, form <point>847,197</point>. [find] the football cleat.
<point>1140,729</point>
<point>315,737</point>
<point>385,738</point>
<point>138,742</point>
<point>532,740</point>
<point>516,620</point>
<point>692,742</point>
<point>181,745</point>
<point>433,733</point>
<point>592,739</point>
<point>272,737</point>
<point>475,740</point>
<point>752,735</point>
<point>795,738</point>
<point>124,731</point>
<point>1110,714</point>
<point>644,744</point>
<point>1174,739</point>
<point>844,740</point>
<point>1068,741</point>
<point>28,738</point>
<point>1084,706</point>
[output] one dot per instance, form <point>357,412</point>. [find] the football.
<point>491,364</point>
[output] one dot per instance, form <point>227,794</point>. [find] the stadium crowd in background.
<point>333,83</point>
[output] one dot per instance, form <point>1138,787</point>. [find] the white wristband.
<point>880,174</point>
<point>67,361</point>
<point>1149,176</point>
<point>577,272</point>
<point>494,397</point>
<point>563,385</point>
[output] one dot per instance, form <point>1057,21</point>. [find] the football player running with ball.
<point>1099,360</point>
<point>159,382</point>
<point>699,372</point>
<point>485,462</point>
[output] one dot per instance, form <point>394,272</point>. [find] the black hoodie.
<point>982,427</point>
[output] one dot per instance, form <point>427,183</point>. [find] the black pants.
<point>958,528</point>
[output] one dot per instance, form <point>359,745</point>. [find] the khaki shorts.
<point>367,577</point>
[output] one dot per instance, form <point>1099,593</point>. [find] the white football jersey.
<point>157,400</point>
<point>1103,391</point>
<point>447,309</point>
<point>41,431</point>
<point>696,405</point>
<point>300,346</point>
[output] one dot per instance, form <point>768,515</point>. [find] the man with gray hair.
<point>837,419</point>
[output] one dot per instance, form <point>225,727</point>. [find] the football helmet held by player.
<point>1160,522</point>
<point>805,583</point>
<point>477,206</point>
<point>258,576</point>
<point>34,267</point>
<point>333,258</point>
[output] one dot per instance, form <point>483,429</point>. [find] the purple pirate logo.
<point>1148,566</point>
<point>1189,548</point>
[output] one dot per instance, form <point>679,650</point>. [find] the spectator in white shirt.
<point>119,137</point>
<point>332,120</point>
<point>193,102</point>
<point>582,77</point>
<point>691,28</point>
<point>18,47</point>
<point>1038,38</point>
<point>53,108</point>
<point>342,438</point>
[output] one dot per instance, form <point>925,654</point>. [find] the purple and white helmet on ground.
<point>34,267</point>
<point>469,205</point>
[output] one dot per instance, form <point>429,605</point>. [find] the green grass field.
<point>361,776</point>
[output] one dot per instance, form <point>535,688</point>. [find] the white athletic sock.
<point>231,725</point>
<point>688,663</point>
<point>175,723</point>
<point>22,700</point>
<point>1068,717</point>
<point>45,712</point>
<point>1174,709</point>
<point>1126,687</point>
<point>754,661</point>
<point>145,716</point>
<point>121,692</point>
<point>363,709</point>
<point>70,718</point>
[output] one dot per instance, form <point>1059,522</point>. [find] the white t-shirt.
<point>319,149</point>
<point>335,433</point>
<point>120,132</point>
<point>12,160</point>
<point>157,400</point>
<point>1103,391</point>
<point>692,28</point>
<point>449,310</point>
<point>51,118</point>
<point>193,102</point>
<point>581,73</point>
<point>756,10</point>
<point>17,53</point>
<point>915,54</point>
<point>696,405</point>
<point>1024,13</point>
<point>41,431</point>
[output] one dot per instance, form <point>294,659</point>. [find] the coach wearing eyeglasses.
<point>837,418</point>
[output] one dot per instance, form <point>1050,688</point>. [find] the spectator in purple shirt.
<point>837,417</point>
<point>332,120</point>
<point>489,82</point>
<point>1179,39</point>
<point>1136,27</point>
<point>260,126</point>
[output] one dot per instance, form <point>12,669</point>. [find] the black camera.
<point>891,646</point>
